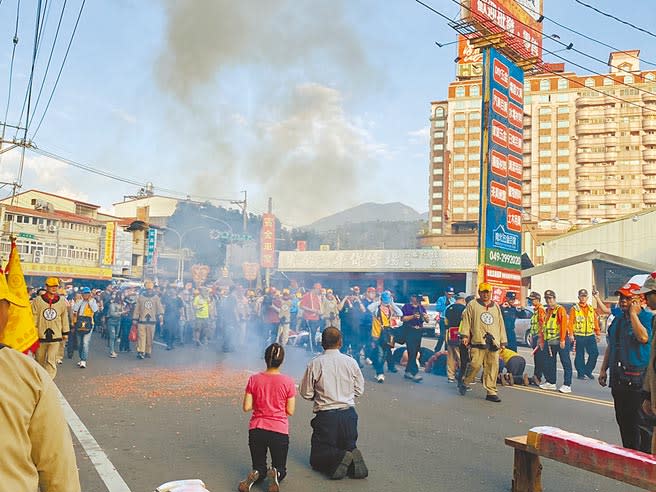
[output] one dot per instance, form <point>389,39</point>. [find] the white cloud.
<point>420,135</point>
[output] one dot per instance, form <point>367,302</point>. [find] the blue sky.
<point>321,105</point>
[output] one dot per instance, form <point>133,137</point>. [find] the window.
<point>459,117</point>
<point>545,124</point>
<point>439,112</point>
<point>460,91</point>
<point>459,131</point>
<point>438,135</point>
<point>458,184</point>
<point>459,157</point>
<point>437,183</point>
<point>650,76</point>
<point>458,196</point>
<point>437,194</point>
<point>475,115</point>
<point>474,91</point>
<point>589,82</point>
<point>563,194</point>
<point>474,143</point>
<point>472,210</point>
<point>628,79</point>
<point>545,110</point>
<point>474,170</point>
<point>459,105</point>
<point>563,179</point>
<point>563,109</point>
<point>458,144</point>
<point>438,158</point>
<point>563,84</point>
<point>608,81</point>
<point>562,97</point>
<point>439,124</point>
<point>545,181</point>
<point>459,170</point>
<point>9,217</point>
<point>527,85</point>
<point>563,124</point>
<point>438,146</point>
<point>563,166</point>
<point>437,207</point>
<point>545,85</point>
<point>545,194</point>
<point>562,152</point>
<point>563,138</point>
<point>473,196</point>
<point>545,138</point>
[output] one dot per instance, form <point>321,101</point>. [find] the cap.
<point>371,289</point>
<point>534,295</point>
<point>86,290</point>
<point>549,293</point>
<point>648,286</point>
<point>583,292</point>
<point>462,295</point>
<point>629,289</point>
<point>450,290</point>
<point>386,297</point>
<point>485,286</point>
<point>510,295</point>
<point>52,282</point>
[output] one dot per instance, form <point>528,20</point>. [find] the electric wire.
<point>570,47</point>
<point>52,50</point>
<point>589,38</point>
<point>581,84</point>
<point>611,16</point>
<point>122,179</point>
<point>61,68</point>
<point>11,65</point>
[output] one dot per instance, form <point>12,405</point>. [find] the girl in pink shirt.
<point>270,395</point>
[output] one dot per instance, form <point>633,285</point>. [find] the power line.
<point>61,68</point>
<point>122,179</point>
<point>52,50</point>
<point>11,64</point>
<point>570,47</point>
<point>631,103</point>
<point>589,38</point>
<point>611,16</point>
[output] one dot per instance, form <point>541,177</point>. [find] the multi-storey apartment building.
<point>589,151</point>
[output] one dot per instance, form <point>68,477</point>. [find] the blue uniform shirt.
<point>630,351</point>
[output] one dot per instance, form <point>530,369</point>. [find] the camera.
<point>490,342</point>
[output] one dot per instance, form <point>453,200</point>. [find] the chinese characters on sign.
<point>151,245</point>
<point>470,59</point>
<point>501,170</point>
<point>268,241</point>
<point>516,21</point>
<point>110,241</point>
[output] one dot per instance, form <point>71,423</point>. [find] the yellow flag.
<point>20,332</point>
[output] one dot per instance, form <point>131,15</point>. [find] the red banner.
<point>268,241</point>
<point>301,245</point>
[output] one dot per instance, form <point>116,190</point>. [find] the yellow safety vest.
<point>535,325</point>
<point>583,325</point>
<point>551,328</point>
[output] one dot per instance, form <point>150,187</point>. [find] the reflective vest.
<point>551,328</point>
<point>583,325</point>
<point>535,325</point>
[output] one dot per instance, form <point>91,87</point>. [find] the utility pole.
<point>243,205</point>
<point>267,274</point>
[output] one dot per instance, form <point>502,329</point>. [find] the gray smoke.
<point>289,140</point>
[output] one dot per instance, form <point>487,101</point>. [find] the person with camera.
<point>627,358</point>
<point>414,317</point>
<point>483,330</point>
<point>555,340</point>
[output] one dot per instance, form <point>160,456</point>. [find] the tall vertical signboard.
<point>500,230</point>
<point>268,241</point>
<point>151,245</point>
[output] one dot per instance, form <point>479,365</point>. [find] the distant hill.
<point>367,212</point>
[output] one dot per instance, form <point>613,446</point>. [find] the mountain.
<point>367,212</point>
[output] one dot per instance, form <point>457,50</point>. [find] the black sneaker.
<point>246,484</point>
<point>342,469</point>
<point>462,389</point>
<point>147,355</point>
<point>407,375</point>
<point>358,468</point>
<point>274,484</point>
<point>140,355</point>
<point>493,398</point>
<point>392,369</point>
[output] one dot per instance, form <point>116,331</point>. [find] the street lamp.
<point>180,255</point>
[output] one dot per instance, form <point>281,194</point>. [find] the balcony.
<point>649,123</point>
<point>649,154</point>
<point>612,182</point>
<point>611,126</point>
<point>590,157</point>
<point>611,155</point>
<point>589,184</point>
<point>586,170</point>
<point>582,199</point>
<point>648,98</point>
<point>649,168</point>
<point>587,112</point>
<point>589,101</point>
<point>649,139</point>
<point>590,213</point>
<point>611,140</point>
<point>591,128</point>
<point>649,182</point>
<point>649,198</point>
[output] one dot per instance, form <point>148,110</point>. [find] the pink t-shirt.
<point>270,394</point>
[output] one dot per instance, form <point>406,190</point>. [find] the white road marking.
<point>106,470</point>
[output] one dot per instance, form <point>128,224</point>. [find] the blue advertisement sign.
<point>500,240</point>
<point>151,245</point>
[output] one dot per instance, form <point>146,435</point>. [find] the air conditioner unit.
<point>37,256</point>
<point>52,228</point>
<point>42,227</point>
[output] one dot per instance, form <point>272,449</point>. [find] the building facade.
<point>588,157</point>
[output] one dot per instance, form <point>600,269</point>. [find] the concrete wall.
<point>565,282</point>
<point>160,206</point>
<point>631,238</point>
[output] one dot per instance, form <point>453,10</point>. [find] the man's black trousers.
<point>333,433</point>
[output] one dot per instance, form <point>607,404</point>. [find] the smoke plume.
<point>255,80</point>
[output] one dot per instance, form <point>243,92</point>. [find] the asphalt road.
<point>178,416</point>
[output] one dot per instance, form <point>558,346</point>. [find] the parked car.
<point>431,329</point>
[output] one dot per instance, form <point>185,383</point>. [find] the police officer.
<point>511,314</point>
<point>50,312</point>
<point>482,328</point>
<point>585,325</point>
<point>147,311</point>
